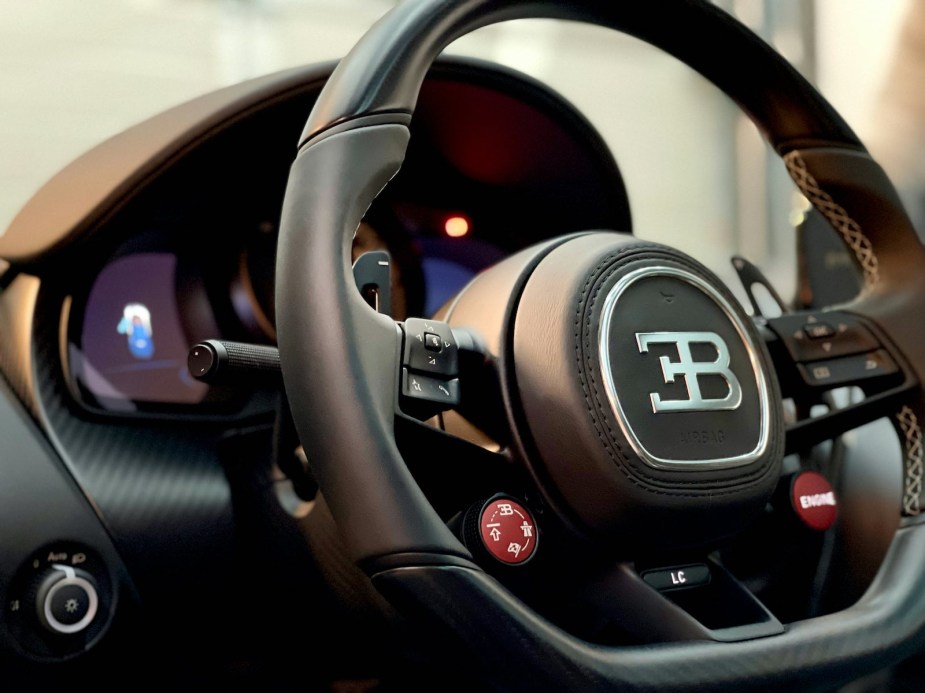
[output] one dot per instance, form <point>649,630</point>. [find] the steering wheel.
<point>609,356</point>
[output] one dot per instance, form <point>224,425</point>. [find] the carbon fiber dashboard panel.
<point>161,490</point>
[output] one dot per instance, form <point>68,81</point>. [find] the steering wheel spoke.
<point>812,431</point>
<point>454,472</point>
<point>815,352</point>
<point>445,371</point>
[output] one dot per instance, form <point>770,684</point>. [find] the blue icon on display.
<point>136,325</point>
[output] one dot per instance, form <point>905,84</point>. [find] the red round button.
<point>508,531</point>
<point>814,500</point>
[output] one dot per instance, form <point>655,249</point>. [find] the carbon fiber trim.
<point>161,492</point>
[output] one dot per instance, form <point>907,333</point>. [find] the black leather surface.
<point>339,357</point>
<point>383,73</point>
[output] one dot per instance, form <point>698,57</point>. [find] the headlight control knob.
<point>66,599</point>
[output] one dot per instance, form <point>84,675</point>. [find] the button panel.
<point>850,369</point>
<point>420,339</point>
<point>819,336</point>
<point>430,366</point>
<point>429,389</point>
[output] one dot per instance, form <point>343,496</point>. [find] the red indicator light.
<point>456,226</point>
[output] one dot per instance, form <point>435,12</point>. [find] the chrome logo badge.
<point>691,370</point>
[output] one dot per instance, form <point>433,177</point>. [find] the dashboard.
<point>510,485</point>
<point>164,236</point>
<point>490,170</point>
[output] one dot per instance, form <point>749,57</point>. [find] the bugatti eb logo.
<point>692,370</point>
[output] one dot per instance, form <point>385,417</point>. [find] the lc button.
<point>679,578</point>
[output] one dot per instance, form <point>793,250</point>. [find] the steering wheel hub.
<point>646,393</point>
<point>713,394</point>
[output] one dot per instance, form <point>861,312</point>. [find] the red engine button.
<point>814,500</point>
<point>508,531</point>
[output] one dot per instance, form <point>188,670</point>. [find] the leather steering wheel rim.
<point>339,358</point>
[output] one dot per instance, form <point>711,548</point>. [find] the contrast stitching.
<point>841,221</point>
<point>909,424</point>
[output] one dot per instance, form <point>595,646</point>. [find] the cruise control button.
<point>813,500</point>
<point>851,369</point>
<point>428,389</point>
<point>682,577</point>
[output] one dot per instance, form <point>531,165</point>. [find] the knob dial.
<point>67,600</point>
<point>501,528</point>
